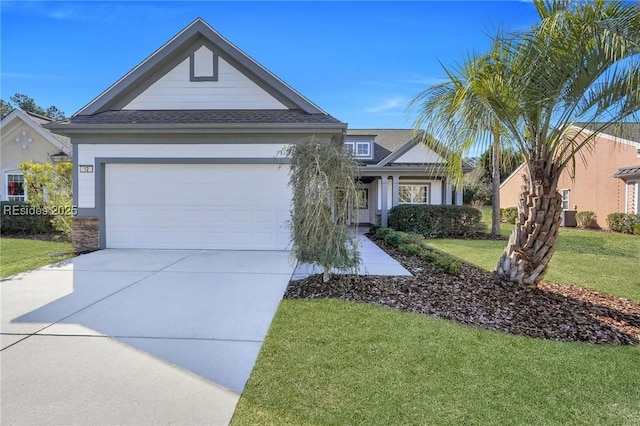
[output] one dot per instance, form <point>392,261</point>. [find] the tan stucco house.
<point>607,181</point>
<point>22,139</point>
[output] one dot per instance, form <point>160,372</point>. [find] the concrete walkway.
<point>373,261</point>
<point>142,337</point>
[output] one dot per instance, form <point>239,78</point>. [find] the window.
<point>362,199</point>
<point>359,149</point>
<point>413,194</point>
<point>363,149</point>
<point>15,187</point>
<point>565,199</point>
<point>349,147</point>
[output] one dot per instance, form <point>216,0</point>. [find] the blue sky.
<point>359,61</point>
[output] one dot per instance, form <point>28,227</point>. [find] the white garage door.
<point>197,206</point>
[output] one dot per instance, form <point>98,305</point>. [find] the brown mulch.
<point>552,311</point>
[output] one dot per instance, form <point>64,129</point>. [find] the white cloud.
<point>388,104</point>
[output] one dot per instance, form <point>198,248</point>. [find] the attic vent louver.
<point>204,65</point>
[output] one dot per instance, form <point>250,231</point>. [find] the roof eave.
<point>191,128</point>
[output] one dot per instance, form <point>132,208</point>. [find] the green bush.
<point>447,265</point>
<point>509,214</point>
<point>374,228</point>
<point>587,219</point>
<point>382,232</point>
<point>622,222</point>
<point>396,238</point>
<point>14,221</point>
<point>441,221</point>
<point>411,249</point>
<point>636,229</point>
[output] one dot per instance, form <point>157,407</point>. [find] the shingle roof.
<point>629,131</point>
<point>386,141</point>
<point>283,116</point>
<point>40,120</point>
<point>628,172</point>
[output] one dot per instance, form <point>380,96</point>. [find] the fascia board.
<point>188,35</point>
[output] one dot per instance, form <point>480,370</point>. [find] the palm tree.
<point>580,65</point>
<point>458,111</point>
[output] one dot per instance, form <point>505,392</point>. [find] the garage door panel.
<point>197,206</point>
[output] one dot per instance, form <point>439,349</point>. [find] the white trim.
<point>512,174</point>
<point>568,193</point>
<point>608,136</point>
<point>626,196</point>
<point>426,192</point>
<point>637,202</point>
<point>19,114</point>
<point>5,190</point>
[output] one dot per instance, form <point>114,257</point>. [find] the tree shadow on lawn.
<point>552,311</point>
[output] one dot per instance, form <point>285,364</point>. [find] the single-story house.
<point>22,139</point>
<point>396,160</point>
<point>184,152</point>
<point>607,181</point>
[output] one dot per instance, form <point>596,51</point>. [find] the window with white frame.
<point>362,198</point>
<point>359,149</point>
<point>15,187</point>
<point>413,194</point>
<point>565,199</point>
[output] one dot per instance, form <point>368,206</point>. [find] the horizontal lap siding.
<point>175,91</point>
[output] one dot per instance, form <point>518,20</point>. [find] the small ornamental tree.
<point>49,186</point>
<point>323,180</point>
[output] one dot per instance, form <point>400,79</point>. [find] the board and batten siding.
<point>419,154</point>
<point>87,153</point>
<point>176,91</point>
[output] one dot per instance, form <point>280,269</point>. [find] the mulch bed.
<point>552,311</point>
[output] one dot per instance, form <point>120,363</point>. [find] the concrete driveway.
<point>136,336</point>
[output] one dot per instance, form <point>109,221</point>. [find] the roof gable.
<point>34,121</point>
<point>191,50</point>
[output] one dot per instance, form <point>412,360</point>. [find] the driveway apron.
<point>136,336</point>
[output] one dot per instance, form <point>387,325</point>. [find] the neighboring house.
<point>411,173</point>
<point>182,151</point>
<point>23,139</point>
<point>607,181</point>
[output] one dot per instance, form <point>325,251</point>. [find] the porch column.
<point>459,195</point>
<point>447,192</point>
<point>395,189</point>
<point>384,218</point>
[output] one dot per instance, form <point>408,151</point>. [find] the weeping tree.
<point>578,67</point>
<point>323,178</point>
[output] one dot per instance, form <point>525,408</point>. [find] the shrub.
<point>441,221</point>
<point>396,238</point>
<point>621,222</point>
<point>23,224</point>
<point>586,219</point>
<point>374,228</point>
<point>382,232</point>
<point>636,229</point>
<point>509,214</point>
<point>447,265</point>
<point>411,249</point>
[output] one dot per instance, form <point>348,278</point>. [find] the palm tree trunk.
<point>495,182</point>
<point>532,242</point>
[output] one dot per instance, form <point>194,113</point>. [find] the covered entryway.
<point>197,206</point>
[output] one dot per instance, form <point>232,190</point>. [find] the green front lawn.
<point>19,255</point>
<point>604,261</point>
<point>336,362</point>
